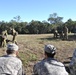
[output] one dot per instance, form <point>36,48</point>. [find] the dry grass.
<point>31,49</point>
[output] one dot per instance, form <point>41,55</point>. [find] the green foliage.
<point>37,27</point>
<point>54,19</point>
<point>30,57</point>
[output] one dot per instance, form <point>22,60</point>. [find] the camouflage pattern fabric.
<point>65,33</point>
<point>4,37</point>
<point>0,40</point>
<point>72,65</point>
<point>14,34</point>
<point>49,66</point>
<point>10,65</point>
<point>55,33</point>
<point>61,34</point>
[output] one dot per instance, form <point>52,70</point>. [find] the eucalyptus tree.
<point>71,25</point>
<point>54,19</point>
<point>17,18</point>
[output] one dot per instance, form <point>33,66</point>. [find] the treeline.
<point>38,27</point>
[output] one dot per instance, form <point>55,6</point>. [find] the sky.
<point>37,9</point>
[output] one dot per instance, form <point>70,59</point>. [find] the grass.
<point>31,49</point>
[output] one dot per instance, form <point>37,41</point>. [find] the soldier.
<point>14,34</point>
<point>0,40</point>
<point>4,37</point>
<point>65,30</point>
<point>72,65</point>
<point>49,65</point>
<point>55,33</point>
<point>10,64</point>
<point>61,35</point>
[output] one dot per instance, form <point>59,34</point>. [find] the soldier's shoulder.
<point>55,62</point>
<point>61,63</point>
<point>38,63</point>
<point>17,59</point>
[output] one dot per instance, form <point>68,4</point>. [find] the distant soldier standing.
<point>0,40</point>
<point>61,35</point>
<point>14,34</point>
<point>55,33</point>
<point>65,32</point>
<point>3,38</point>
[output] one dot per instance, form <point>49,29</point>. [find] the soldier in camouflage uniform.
<point>55,33</point>
<point>72,65</point>
<point>10,64</point>
<point>3,38</point>
<point>0,40</point>
<point>49,65</point>
<point>65,30</point>
<point>14,34</point>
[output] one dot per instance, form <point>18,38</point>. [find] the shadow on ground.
<point>70,38</point>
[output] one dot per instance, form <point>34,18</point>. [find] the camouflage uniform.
<point>4,37</point>
<point>49,66</point>
<point>65,33</point>
<point>60,33</point>
<point>0,40</point>
<point>72,65</point>
<point>14,34</point>
<point>10,65</point>
<point>55,33</point>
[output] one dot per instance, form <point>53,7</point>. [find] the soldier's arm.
<point>21,71</point>
<point>35,70</point>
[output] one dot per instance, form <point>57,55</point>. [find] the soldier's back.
<point>9,65</point>
<point>50,67</point>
